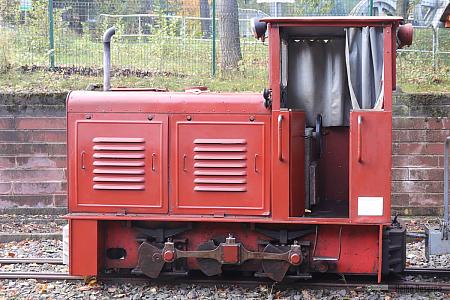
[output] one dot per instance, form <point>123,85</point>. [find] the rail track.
<point>329,281</point>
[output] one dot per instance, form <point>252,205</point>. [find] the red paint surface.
<point>371,177</point>
<point>358,244</point>
<point>333,166</point>
<point>230,254</point>
<point>86,249</point>
<point>220,165</point>
<point>165,103</point>
<point>280,168</point>
<point>94,172</point>
<point>297,164</point>
<point>174,126</point>
<point>347,21</point>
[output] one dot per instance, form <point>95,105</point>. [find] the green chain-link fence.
<point>175,37</point>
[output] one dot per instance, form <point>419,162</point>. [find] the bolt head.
<point>156,257</point>
<point>295,258</point>
<point>169,255</point>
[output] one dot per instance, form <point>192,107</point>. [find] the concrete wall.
<point>33,151</point>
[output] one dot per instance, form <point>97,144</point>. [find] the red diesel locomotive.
<point>287,183</point>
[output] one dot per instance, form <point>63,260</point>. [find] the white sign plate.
<point>370,206</point>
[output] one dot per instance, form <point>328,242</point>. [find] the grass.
<point>186,55</point>
<point>443,87</point>
<point>16,81</point>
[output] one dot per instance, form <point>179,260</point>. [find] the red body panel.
<point>358,244</point>
<point>220,165</point>
<point>86,247</point>
<point>297,164</point>
<point>348,21</point>
<point>165,103</point>
<point>280,165</point>
<point>370,173</point>
<point>120,163</point>
<point>334,165</point>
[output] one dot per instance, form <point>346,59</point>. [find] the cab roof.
<point>334,20</point>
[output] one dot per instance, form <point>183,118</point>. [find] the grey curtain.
<point>332,76</point>
<point>317,80</point>
<point>365,68</point>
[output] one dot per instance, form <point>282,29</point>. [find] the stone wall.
<point>33,151</point>
<point>420,126</point>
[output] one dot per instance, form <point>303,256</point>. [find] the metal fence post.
<point>213,58</point>
<point>437,57</point>
<point>51,37</point>
<point>370,7</point>
<point>434,47</point>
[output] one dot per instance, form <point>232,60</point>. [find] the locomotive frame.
<point>172,182</point>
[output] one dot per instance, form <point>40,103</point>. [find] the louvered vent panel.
<point>119,163</point>
<point>220,165</point>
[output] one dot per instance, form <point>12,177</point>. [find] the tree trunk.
<point>402,8</point>
<point>230,44</point>
<point>205,13</point>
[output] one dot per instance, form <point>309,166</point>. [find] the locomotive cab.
<point>314,81</point>
<point>332,82</point>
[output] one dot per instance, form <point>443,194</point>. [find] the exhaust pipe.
<point>107,57</point>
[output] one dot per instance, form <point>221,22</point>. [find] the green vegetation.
<point>48,81</point>
<point>415,70</point>
<point>16,81</point>
<point>169,53</point>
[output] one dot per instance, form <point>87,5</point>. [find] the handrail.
<point>280,138</point>
<point>360,139</point>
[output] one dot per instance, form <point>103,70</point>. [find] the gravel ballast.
<point>32,289</point>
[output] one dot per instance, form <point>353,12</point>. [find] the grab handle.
<point>184,163</point>
<point>83,154</point>
<point>359,139</point>
<point>280,138</point>
<point>153,162</point>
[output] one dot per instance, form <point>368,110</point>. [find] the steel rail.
<point>427,271</point>
<point>350,282</point>
<point>395,285</point>
<point>53,276</point>
<point>31,260</point>
<point>311,284</point>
